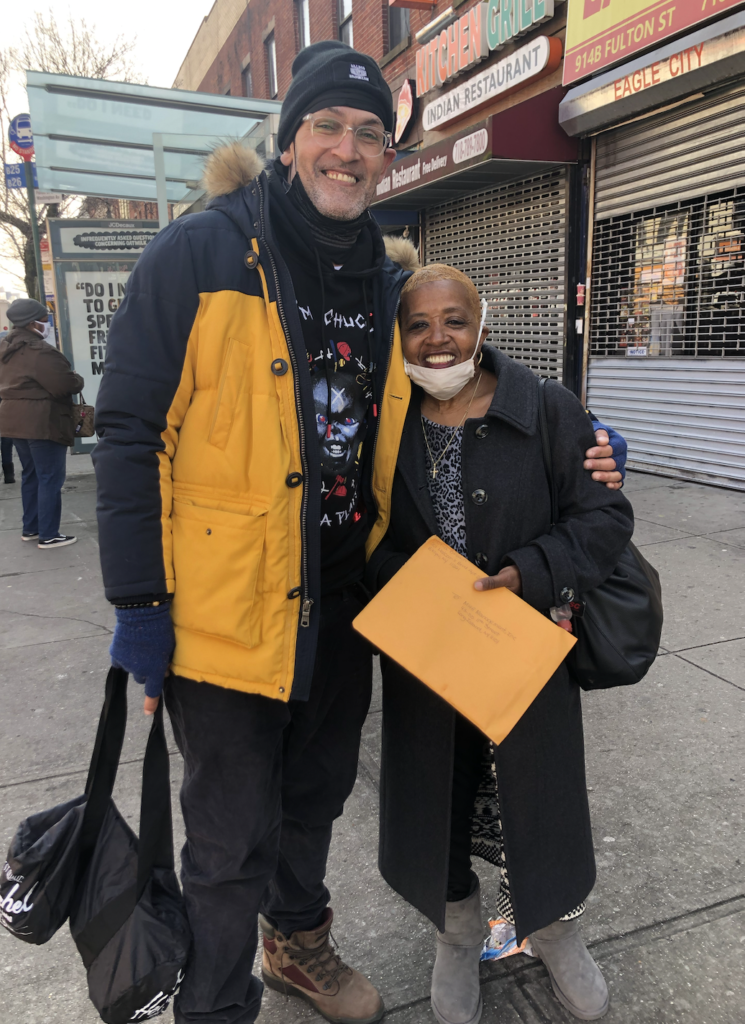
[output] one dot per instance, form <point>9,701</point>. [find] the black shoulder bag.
<point>82,860</point>
<point>618,634</point>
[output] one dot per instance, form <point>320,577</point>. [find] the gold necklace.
<point>436,462</point>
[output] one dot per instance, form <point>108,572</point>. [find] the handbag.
<point>618,624</point>
<point>127,914</point>
<point>83,418</point>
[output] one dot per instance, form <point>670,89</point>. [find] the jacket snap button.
<point>482,431</point>
<point>209,532</point>
<point>567,595</point>
<point>294,479</point>
<point>251,259</point>
<point>256,225</point>
<point>281,689</point>
<point>481,559</point>
<point>279,367</point>
<point>479,497</point>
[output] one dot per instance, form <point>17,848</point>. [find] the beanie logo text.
<point>358,72</point>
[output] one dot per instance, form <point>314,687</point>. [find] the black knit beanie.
<point>332,74</point>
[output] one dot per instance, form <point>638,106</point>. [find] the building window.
<point>271,65</point>
<point>248,85</point>
<point>345,22</point>
<point>398,26</point>
<point>303,22</point>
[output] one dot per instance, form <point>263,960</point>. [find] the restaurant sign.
<point>699,59</point>
<point>535,60</point>
<point>454,154</point>
<point>605,32</point>
<point>472,37</point>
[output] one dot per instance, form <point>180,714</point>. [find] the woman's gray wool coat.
<point>540,765</point>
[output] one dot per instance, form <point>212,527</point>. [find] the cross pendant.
<point>434,473</point>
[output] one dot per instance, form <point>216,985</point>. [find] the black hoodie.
<point>333,291</point>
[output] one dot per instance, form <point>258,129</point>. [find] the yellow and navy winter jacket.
<point>209,482</point>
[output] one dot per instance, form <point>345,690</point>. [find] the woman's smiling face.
<point>439,326</point>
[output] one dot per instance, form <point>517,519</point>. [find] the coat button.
<point>479,497</point>
<point>208,532</point>
<point>567,595</point>
<point>294,479</point>
<point>279,367</point>
<point>251,259</point>
<point>482,431</point>
<point>481,560</point>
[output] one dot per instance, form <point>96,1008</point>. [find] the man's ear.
<point>289,155</point>
<point>388,158</point>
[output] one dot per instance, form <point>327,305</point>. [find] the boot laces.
<point>324,960</point>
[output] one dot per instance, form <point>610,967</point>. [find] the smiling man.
<point>252,370</point>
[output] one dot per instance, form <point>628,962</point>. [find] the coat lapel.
<point>412,465</point>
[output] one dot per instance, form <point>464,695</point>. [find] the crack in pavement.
<point>708,671</point>
<point>73,771</point>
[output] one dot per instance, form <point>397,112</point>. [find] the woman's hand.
<point>508,577</point>
<point>602,462</point>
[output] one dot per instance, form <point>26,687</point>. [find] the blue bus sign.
<point>21,137</point>
<point>15,175</point>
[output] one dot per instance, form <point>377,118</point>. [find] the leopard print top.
<point>446,490</point>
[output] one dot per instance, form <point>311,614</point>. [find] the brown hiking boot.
<point>306,965</point>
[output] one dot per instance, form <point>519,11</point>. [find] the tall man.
<point>253,370</point>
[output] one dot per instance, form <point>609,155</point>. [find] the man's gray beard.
<point>317,197</point>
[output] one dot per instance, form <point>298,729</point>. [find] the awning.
<point>520,142</point>
<point>114,139</point>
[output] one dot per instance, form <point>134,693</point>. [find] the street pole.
<point>31,193</point>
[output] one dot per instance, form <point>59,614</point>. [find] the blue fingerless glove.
<point>617,443</point>
<point>143,644</point>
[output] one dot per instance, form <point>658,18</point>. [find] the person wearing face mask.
<point>36,410</point>
<point>470,470</point>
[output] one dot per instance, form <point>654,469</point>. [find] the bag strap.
<point>107,750</point>
<point>548,464</point>
<point>155,846</point>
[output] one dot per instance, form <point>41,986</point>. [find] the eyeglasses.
<point>369,140</point>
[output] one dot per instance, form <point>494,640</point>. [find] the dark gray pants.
<point>263,783</point>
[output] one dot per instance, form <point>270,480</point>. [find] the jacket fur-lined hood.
<point>402,251</point>
<point>230,168</point>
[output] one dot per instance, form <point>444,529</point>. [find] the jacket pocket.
<point>218,560</point>
<point>230,387</point>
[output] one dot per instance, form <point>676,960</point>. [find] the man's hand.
<point>508,577</point>
<point>143,644</point>
<point>607,460</point>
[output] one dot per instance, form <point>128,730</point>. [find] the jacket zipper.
<point>385,379</point>
<point>307,600</point>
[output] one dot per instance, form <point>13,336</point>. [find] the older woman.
<point>470,470</point>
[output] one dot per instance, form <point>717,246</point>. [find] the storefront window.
<point>345,22</point>
<point>671,282</point>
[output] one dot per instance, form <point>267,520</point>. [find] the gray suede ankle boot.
<point>456,993</point>
<point>575,977</point>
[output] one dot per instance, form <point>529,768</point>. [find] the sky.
<point>164,31</point>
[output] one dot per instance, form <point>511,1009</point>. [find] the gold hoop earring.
<point>481,356</point>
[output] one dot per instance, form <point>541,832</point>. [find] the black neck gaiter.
<point>330,236</point>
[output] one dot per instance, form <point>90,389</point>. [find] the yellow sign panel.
<point>605,32</point>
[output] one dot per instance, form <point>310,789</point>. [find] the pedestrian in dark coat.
<point>36,388</point>
<point>470,470</point>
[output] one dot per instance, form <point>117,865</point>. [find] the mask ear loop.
<point>484,308</point>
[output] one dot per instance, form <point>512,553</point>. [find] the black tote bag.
<point>127,915</point>
<point>618,633</point>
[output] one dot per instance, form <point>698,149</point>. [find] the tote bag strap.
<point>548,464</point>
<point>155,845</point>
<point>105,759</point>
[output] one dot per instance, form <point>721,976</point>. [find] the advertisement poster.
<point>93,296</point>
<point>605,32</point>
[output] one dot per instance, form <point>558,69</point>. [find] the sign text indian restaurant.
<point>472,37</point>
<point>437,161</point>
<point>536,59</point>
<point>604,32</point>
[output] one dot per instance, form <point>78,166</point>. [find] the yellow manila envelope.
<point>487,653</point>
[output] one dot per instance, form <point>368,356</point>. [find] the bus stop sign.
<point>20,136</point>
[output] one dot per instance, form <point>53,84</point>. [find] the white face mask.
<point>446,383</point>
<point>47,331</point>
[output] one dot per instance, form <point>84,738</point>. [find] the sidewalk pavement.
<point>665,759</point>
